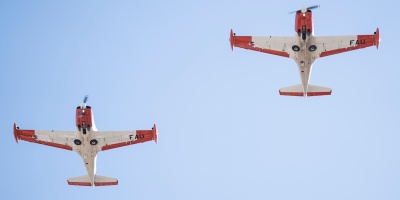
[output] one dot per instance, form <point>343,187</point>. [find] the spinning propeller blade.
<point>313,7</point>
<point>85,99</point>
<point>83,105</point>
<point>305,9</point>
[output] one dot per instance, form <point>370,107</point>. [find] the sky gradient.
<point>224,130</point>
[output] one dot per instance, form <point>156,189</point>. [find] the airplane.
<point>304,48</point>
<point>87,142</point>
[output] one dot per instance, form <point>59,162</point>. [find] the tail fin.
<point>298,90</point>
<point>98,181</point>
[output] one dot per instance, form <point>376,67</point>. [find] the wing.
<point>279,46</point>
<point>114,139</point>
<point>59,139</point>
<point>330,45</point>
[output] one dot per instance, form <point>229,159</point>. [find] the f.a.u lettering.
<point>140,136</point>
<point>357,42</point>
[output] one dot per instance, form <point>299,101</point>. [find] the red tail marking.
<point>79,183</point>
<point>309,94</point>
<point>105,183</point>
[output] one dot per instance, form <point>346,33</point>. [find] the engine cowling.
<point>303,22</point>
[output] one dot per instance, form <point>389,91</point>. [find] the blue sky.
<point>225,133</point>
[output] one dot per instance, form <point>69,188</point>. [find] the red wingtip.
<point>231,39</point>
<point>155,133</point>
<point>377,38</point>
<point>15,133</point>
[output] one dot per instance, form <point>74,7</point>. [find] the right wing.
<point>330,45</point>
<point>279,46</point>
<point>114,139</point>
<point>59,139</point>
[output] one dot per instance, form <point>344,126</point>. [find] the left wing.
<point>330,45</point>
<point>114,139</point>
<point>279,46</point>
<point>59,139</point>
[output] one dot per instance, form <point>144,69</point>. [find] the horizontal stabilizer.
<point>298,90</point>
<point>98,181</point>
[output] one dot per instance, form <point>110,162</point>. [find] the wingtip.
<point>377,38</point>
<point>155,133</point>
<point>15,133</point>
<point>231,39</point>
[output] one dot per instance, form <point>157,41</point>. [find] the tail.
<point>98,181</point>
<point>310,90</point>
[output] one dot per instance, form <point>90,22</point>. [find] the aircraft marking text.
<point>357,42</point>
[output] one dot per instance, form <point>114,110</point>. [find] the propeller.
<point>303,10</point>
<point>83,105</point>
<point>313,7</point>
<point>85,98</point>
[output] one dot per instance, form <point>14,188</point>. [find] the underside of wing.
<point>59,139</point>
<point>280,46</point>
<point>114,139</point>
<point>330,45</point>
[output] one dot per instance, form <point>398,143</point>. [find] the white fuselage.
<point>304,59</point>
<point>87,151</point>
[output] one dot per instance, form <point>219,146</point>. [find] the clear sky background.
<point>225,133</point>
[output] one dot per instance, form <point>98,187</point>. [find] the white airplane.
<point>87,142</point>
<point>304,48</point>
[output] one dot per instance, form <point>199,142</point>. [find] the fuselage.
<point>86,127</point>
<point>305,55</point>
